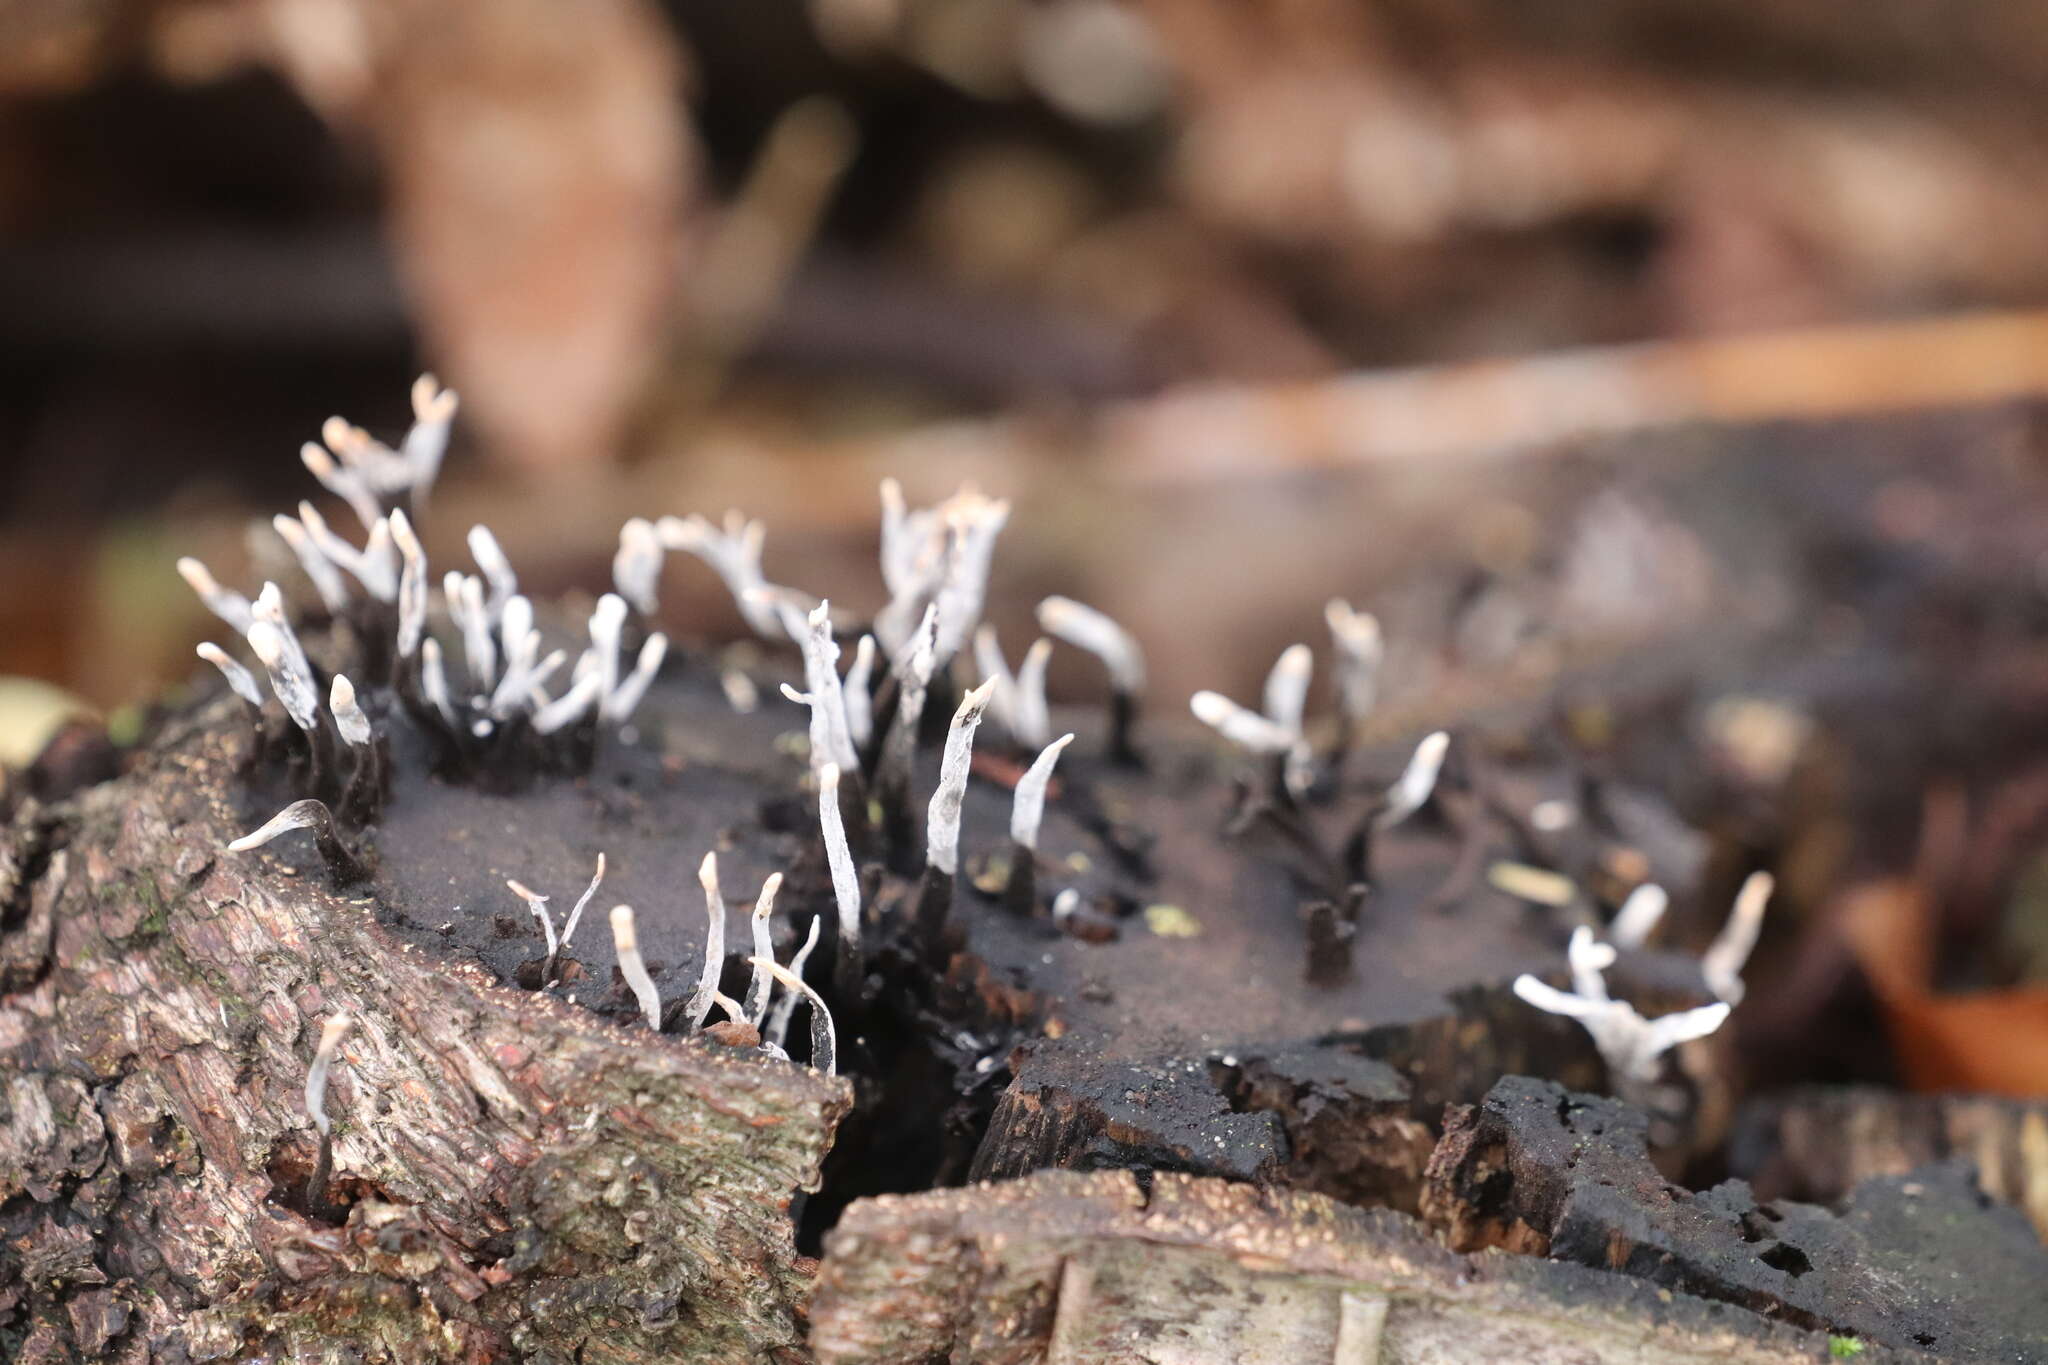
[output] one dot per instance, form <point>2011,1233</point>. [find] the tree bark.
<point>513,1177</point>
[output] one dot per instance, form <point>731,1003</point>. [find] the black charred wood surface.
<point>1921,1261</point>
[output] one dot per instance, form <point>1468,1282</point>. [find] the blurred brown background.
<point>689,255</point>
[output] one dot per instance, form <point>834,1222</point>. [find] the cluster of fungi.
<point>390,689</point>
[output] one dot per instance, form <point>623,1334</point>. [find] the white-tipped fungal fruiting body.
<point>626,944</point>
<point>1638,916</point>
<point>298,815</point>
<point>777,1032</point>
<point>1286,694</point>
<point>824,1039</point>
<point>240,680</point>
<point>1630,1044</point>
<point>1360,652</point>
<point>839,857</point>
<point>496,569</point>
<point>859,701</point>
<point>1027,806</point>
<point>942,821</point>
<point>224,602</point>
<point>734,554</point>
<point>636,568</point>
<point>1245,728</point>
<point>1086,628</point>
<point>831,737</point>
<point>537,905</point>
<point>1730,950</point>
<point>412,586</point>
<point>1412,789</point>
<point>761,983</point>
<point>348,714</point>
<point>714,943</point>
<point>319,569</point>
<point>332,1031</point>
<point>576,915</point>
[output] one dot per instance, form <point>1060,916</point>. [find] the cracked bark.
<point>520,1178</point>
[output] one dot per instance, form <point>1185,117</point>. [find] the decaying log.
<point>1816,1143</point>
<point>1064,1268</point>
<point>1921,1261</point>
<point>513,1177</point>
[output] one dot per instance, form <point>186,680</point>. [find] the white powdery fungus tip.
<point>1638,916</point>
<point>714,944</point>
<point>240,680</point>
<point>777,1031</point>
<point>636,568</point>
<point>1286,694</point>
<point>942,820</point>
<point>332,1031</point>
<point>537,904</point>
<point>1729,953</point>
<point>1065,904</point>
<point>431,402</point>
<point>576,915</point>
<point>1033,713</point>
<point>831,737</point>
<point>1027,808</point>
<point>229,605</point>
<point>734,554</point>
<point>298,815</point>
<point>348,714</point>
<point>761,984</point>
<point>839,857</point>
<point>433,413</point>
<point>911,542</point>
<point>1589,958</point>
<point>1360,652</point>
<point>1416,782</point>
<point>434,681</point>
<point>374,566</point>
<point>860,702</point>
<point>607,625</point>
<point>296,689</point>
<point>1086,628</point>
<point>913,557</point>
<point>740,692</point>
<point>326,578</point>
<point>618,708</point>
<point>990,664</point>
<point>473,617</point>
<point>1630,1044</point>
<point>571,706</point>
<point>380,562</point>
<point>972,523</point>
<point>1019,704</point>
<point>824,1039</point>
<point>626,943</point>
<point>347,484</point>
<point>412,585</point>
<point>520,646</point>
<point>496,569</point>
<point>1240,725</point>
